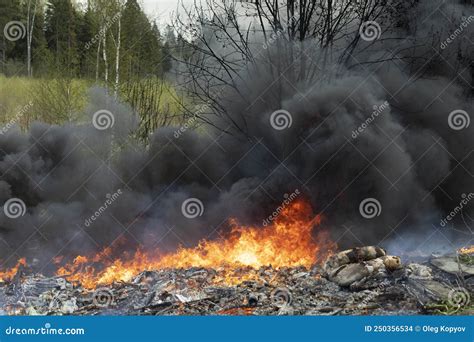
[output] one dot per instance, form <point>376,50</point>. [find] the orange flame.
<point>10,273</point>
<point>466,250</point>
<point>288,242</point>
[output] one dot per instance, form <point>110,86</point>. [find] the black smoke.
<point>408,158</point>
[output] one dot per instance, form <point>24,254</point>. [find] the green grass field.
<point>25,100</point>
<point>58,100</point>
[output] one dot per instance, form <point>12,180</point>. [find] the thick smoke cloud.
<point>407,157</point>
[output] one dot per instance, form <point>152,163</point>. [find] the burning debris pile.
<point>287,268</point>
<point>357,281</point>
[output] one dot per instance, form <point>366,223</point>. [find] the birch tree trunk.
<point>104,56</point>
<point>30,22</point>
<point>117,58</point>
<point>97,62</point>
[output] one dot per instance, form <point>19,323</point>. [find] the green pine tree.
<point>61,34</point>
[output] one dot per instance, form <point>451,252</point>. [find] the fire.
<point>466,255</point>
<point>466,250</point>
<point>289,241</point>
<point>10,273</point>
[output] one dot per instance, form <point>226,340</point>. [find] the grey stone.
<point>450,265</point>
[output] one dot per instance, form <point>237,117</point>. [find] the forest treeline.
<point>107,40</point>
<point>53,51</point>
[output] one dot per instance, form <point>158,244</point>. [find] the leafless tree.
<point>224,37</point>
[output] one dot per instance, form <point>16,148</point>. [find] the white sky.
<point>162,10</point>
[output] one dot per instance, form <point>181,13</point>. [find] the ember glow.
<point>10,273</point>
<point>466,250</point>
<point>292,240</point>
